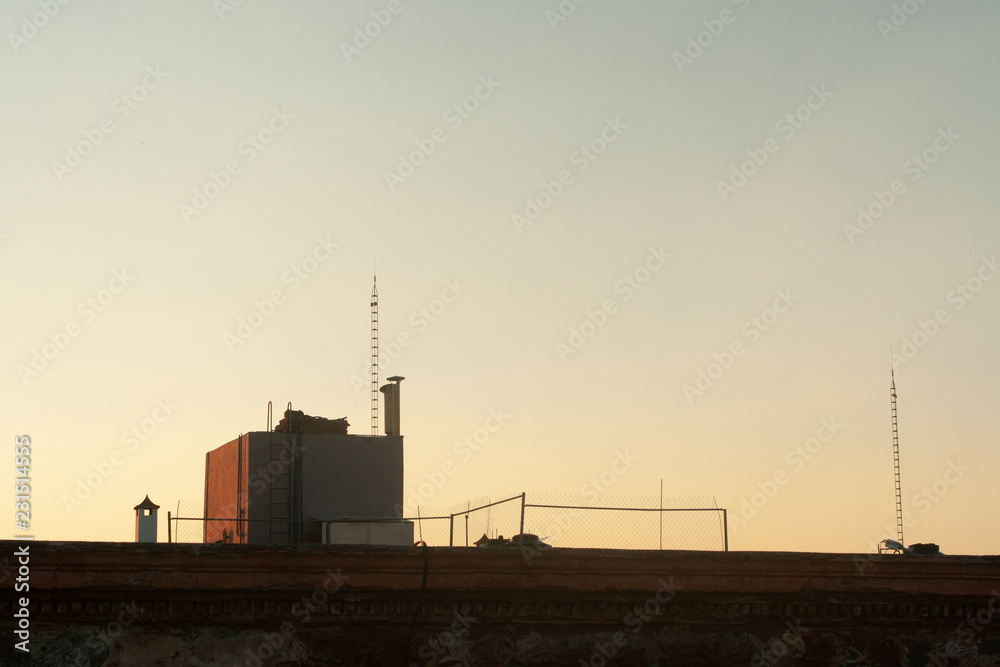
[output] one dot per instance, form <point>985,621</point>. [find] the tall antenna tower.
<point>374,355</point>
<point>895,454</point>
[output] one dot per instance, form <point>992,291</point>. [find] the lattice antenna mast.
<point>374,356</point>
<point>895,454</point>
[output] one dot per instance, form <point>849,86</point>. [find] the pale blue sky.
<point>323,176</point>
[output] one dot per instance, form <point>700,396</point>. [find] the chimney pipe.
<point>391,392</point>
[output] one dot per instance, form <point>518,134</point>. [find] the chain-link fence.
<point>582,522</point>
<point>626,522</point>
<point>466,523</point>
<point>558,520</point>
<point>189,530</point>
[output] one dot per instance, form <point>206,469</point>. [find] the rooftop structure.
<point>285,486</point>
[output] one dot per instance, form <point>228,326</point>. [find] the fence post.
<point>451,530</point>
<point>168,528</point>
<point>725,529</point>
<point>522,516</point>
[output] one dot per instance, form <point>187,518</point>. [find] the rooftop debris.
<point>296,421</point>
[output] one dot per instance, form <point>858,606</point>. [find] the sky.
<point>616,243</point>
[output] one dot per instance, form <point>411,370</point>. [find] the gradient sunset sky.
<point>686,232</point>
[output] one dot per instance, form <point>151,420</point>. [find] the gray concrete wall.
<point>351,475</point>
<point>259,486</point>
